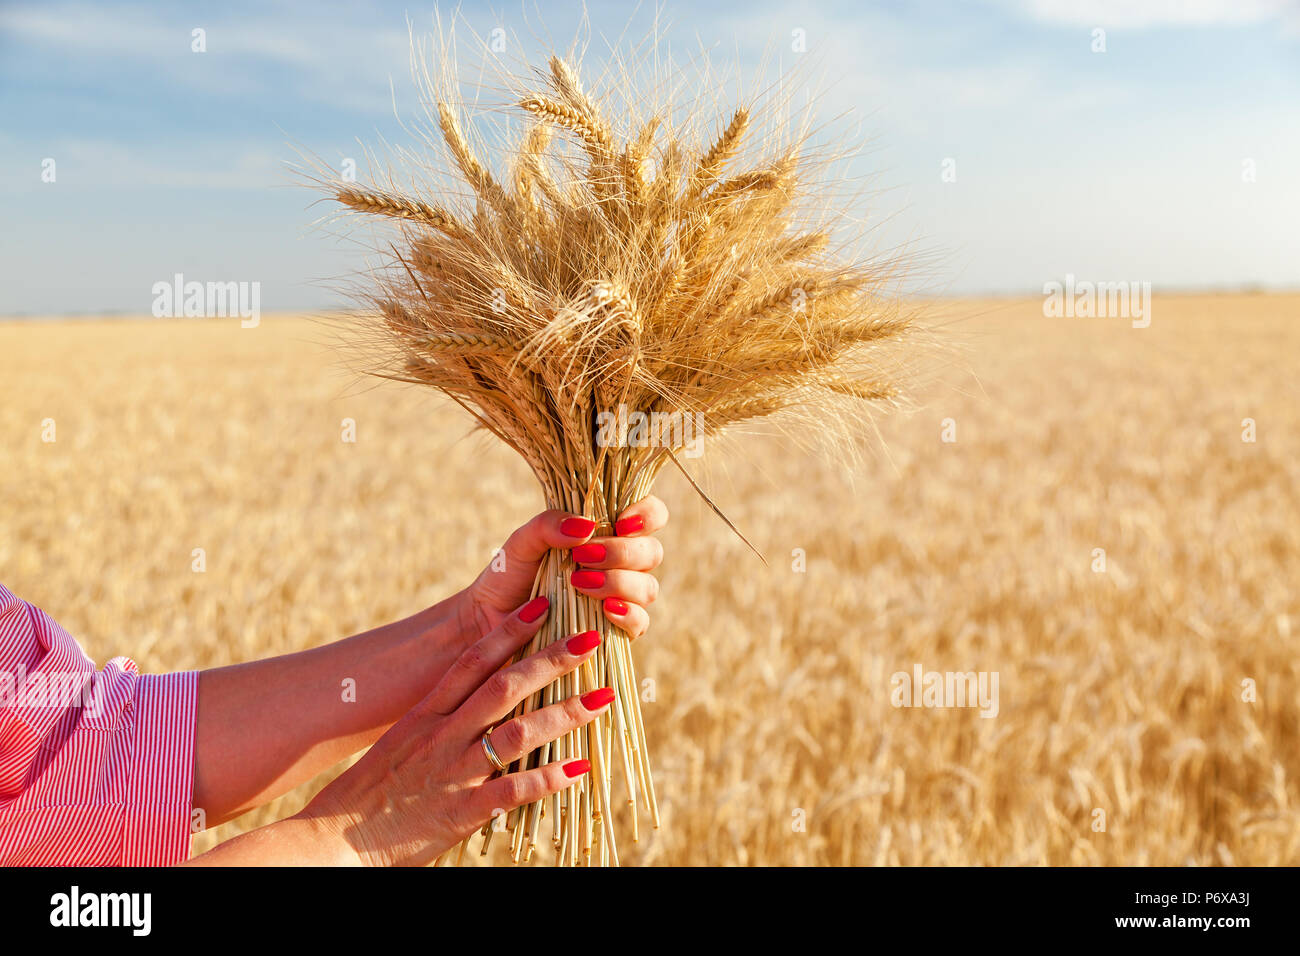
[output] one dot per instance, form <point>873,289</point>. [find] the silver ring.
<point>491,753</point>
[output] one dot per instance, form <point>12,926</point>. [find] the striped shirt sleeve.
<point>96,767</point>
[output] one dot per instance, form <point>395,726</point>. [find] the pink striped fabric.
<point>96,768</point>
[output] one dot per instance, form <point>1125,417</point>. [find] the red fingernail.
<point>615,606</point>
<point>576,768</point>
<point>577,527</point>
<point>597,699</point>
<point>533,609</point>
<point>589,553</point>
<point>581,643</point>
<point>632,525</point>
<point>587,579</point>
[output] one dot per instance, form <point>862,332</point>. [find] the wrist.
<point>320,838</point>
<point>439,628</point>
<point>464,626</point>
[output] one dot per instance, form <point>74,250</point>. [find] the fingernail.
<point>596,699</point>
<point>581,643</point>
<point>577,527</point>
<point>629,525</point>
<point>587,579</point>
<point>533,609</point>
<point>576,768</point>
<point>589,553</point>
<point>615,606</point>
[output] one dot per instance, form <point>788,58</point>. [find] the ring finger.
<point>521,736</point>
<point>631,554</point>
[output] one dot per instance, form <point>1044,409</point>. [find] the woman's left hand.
<point>615,569</point>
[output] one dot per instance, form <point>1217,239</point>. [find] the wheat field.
<point>1147,713</point>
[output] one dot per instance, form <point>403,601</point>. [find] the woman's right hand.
<point>427,783</point>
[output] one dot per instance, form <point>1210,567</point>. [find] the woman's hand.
<point>251,746</point>
<point>616,569</point>
<point>427,783</point>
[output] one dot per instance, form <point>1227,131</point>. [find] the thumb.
<point>550,529</point>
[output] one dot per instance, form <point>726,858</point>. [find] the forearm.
<point>295,841</point>
<point>265,727</point>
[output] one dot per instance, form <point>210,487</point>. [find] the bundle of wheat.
<point>616,276</point>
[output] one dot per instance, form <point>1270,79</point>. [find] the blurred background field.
<point>772,731</point>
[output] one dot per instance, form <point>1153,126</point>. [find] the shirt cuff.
<point>157,825</point>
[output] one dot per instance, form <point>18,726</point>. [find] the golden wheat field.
<point>1162,692</point>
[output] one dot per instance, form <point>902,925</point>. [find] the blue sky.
<point>1122,165</point>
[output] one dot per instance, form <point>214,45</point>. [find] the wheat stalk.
<point>706,172</point>
<point>544,307</point>
<point>594,135</point>
<point>398,207</point>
